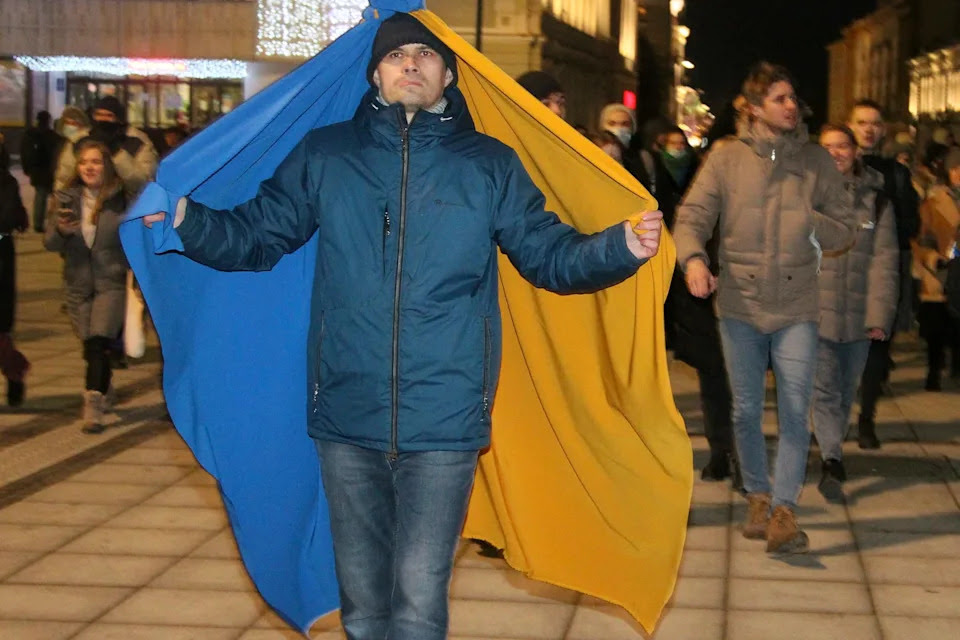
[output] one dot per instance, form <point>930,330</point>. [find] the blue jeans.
<point>395,524</point>
<point>839,367</point>
<point>793,353</point>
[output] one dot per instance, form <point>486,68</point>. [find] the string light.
<point>199,69</point>
<point>301,28</point>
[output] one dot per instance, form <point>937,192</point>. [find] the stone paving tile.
<point>835,568</point>
<point>13,561</point>
<point>187,496</point>
<point>35,537</point>
<point>613,623</point>
<point>94,493</point>
<point>698,593</point>
<point>510,619</point>
<point>92,570</point>
<point>917,628</point>
<point>198,477</point>
<point>506,584</point>
<point>800,596</point>
<point>58,513</point>
<point>915,600</point>
<point>61,603</point>
<point>703,564</point>
<point>205,573</point>
<point>102,631</point>
<point>158,517</point>
<point>763,625</point>
<point>37,630</point>
<point>899,543</point>
<point>222,545</point>
<point>132,474</point>
<point>152,455</point>
<point>913,571</point>
<point>145,542</point>
<point>177,607</point>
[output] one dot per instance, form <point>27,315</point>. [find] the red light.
<point>630,99</point>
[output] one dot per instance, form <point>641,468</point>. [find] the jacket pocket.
<point>487,356</point>
<point>315,392</point>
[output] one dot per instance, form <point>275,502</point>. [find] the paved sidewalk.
<point>123,536</point>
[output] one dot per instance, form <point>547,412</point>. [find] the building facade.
<point>884,54</point>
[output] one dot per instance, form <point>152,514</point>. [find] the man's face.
<point>104,115</point>
<point>675,142</point>
<point>557,102</point>
<point>867,125</point>
<point>414,75</point>
<point>780,110</point>
<point>954,176</point>
<point>617,119</point>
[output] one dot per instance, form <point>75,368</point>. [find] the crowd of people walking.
<point>800,255</point>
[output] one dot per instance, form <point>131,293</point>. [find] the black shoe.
<point>718,468</point>
<point>15,393</point>
<point>487,550</point>
<point>867,434</point>
<point>94,429</point>
<point>832,478</point>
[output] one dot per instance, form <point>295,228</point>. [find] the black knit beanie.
<point>400,29</point>
<point>111,104</point>
<point>540,84</point>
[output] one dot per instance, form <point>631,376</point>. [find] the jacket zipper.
<point>486,366</point>
<point>316,370</point>
<point>395,372</point>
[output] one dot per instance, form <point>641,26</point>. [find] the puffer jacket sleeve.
<point>883,278</point>
<point>256,234</point>
<point>550,254</point>
<point>138,168</point>
<point>698,213</point>
<point>834,220</point>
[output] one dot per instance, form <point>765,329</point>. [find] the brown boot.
<point>758,515</point>
<point>783,534</point>
<point>93,404</point>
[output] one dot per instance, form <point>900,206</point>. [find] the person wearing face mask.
<point>132,152</point>
<point>619,120</point>
<point>779,202</point>
<point>858,303</point>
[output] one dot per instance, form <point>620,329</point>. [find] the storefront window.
<point>160,103</point>
<point>13,93</point>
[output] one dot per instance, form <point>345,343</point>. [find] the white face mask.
<point>71,132</point>
<point>623,134</point>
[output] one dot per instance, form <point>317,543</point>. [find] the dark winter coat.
<point>96,276</point>
<point>404,344</point>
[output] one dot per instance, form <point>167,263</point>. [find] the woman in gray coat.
<point>858,303</point>
<point>84,229</point>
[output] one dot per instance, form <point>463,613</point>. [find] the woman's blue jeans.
<point>793,353</point>
<point>395,524</point>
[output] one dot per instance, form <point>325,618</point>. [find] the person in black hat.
<point>545,88</point>
<point>133,154</point>
<point>409,204</point>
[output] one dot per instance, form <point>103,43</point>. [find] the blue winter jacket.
<point>404,340</point>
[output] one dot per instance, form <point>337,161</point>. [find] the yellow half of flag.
<point>588,480</point>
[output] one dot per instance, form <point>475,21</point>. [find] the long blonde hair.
<point>111,181</point>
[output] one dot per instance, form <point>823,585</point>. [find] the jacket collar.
<point>385,122</point>
<point>786,145</point>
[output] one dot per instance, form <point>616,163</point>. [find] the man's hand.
<point>700,282</point>
<point>643,233</point>
<point>876,334</point>
<point>153,217</point>
<point>160,216</point>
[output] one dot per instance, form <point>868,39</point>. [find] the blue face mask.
<point>676,153</point>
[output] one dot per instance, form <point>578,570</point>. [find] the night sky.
<point>728,36</point>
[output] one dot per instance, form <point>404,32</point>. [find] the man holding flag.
<point>409,203</point>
